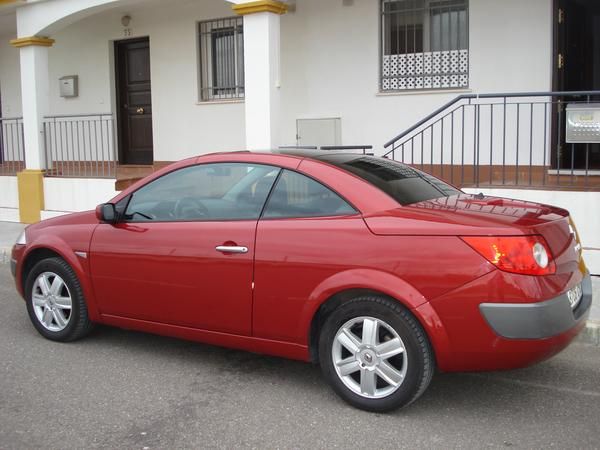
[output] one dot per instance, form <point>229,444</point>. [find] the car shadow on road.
<point>498,392</point>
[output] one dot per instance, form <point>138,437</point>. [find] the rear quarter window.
<point>403,183</point>
<point>296,195</point>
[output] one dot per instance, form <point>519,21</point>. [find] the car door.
<point>182,252</point>
<point>307,233</point>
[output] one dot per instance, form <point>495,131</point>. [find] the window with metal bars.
<point>221,43</point>
<point>424,44</point>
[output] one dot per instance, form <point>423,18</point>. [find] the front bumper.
<point>537,320</point>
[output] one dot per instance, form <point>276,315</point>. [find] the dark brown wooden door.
<point>558,83</point>
<point>576,41</point>
<point>132,62</point>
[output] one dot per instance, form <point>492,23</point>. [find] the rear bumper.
<point>514,330</point>
<point>537,320</point>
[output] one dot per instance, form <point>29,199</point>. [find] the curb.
<point>590,334</point>
<point>5,255</point>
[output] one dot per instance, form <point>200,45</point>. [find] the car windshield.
<point>403,183</point>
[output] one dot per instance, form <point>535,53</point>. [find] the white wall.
<point>10,79</point>
<point>329,68</point>
<point>9,199</point>
<point>181,126</point>
<point>584,209</point>
<point>76,194</point>
<point>330,64</point>
<point>9,195</point>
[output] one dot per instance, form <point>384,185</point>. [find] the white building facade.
<point>96,93</point>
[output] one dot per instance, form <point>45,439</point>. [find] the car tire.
<point>55,301</point>
<point>361,370</point>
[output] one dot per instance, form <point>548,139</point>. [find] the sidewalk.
<point>9,231</point>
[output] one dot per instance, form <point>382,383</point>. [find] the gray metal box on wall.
<point>69,86</point>
<point>583,123</point>
<point>319,131</point>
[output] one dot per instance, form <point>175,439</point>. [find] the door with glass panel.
<point>183,250</point>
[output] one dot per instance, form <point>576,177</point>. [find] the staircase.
<point>511,140</point>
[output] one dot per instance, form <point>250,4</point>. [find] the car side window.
<point>221,191</point>
<point>296,195</point>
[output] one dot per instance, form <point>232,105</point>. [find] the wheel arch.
<point>351,284</point>
<point>425,315</point>
<point>32,258</point>
<point>56,248</point>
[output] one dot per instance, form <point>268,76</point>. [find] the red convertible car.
<point>377,271</point>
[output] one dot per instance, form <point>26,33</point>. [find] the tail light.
<point>527,255</point>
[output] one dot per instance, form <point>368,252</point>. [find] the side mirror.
<point>106,213</point>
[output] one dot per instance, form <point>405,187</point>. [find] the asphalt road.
<point>122,389</point>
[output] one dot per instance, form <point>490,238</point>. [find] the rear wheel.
<point>55,301</point>
<point>375,354</point>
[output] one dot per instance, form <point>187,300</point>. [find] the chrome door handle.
<point>231,249</point>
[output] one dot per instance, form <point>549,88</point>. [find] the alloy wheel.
<point>52,301</point>
<point>369,357</point>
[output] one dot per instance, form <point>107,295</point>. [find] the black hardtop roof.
<point>320,155</point>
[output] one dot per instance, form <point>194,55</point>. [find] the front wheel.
<point>375,354</point>
<point>55,301</point>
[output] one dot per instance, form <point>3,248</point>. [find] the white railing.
<point>12,148</point>
<point>81,145</point>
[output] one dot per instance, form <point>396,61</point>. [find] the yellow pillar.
<point>31,195</point>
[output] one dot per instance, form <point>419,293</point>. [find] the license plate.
<point>574,295</point>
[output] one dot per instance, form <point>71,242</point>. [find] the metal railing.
<point>501,140</point>
<point>222,58</point>
<point>12,148</point>
<point>80,145</point>
<point>424,45</point>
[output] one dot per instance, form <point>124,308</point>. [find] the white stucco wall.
<point>76,194</point>
<point>9,199</point>
<point>329,68</point>
<point>330,64</point>
<point>10,79</point>
<point>9,195</point>
<point>181,125</point>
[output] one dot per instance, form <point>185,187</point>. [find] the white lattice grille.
<point>431,70</point>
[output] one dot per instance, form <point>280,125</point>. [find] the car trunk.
<point>476,215</point>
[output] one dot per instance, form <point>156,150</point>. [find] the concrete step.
<point>124,183</point>
<point>128,174</point>
<point>134,171</point>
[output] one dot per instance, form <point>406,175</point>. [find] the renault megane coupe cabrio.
<point>377,271</point>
